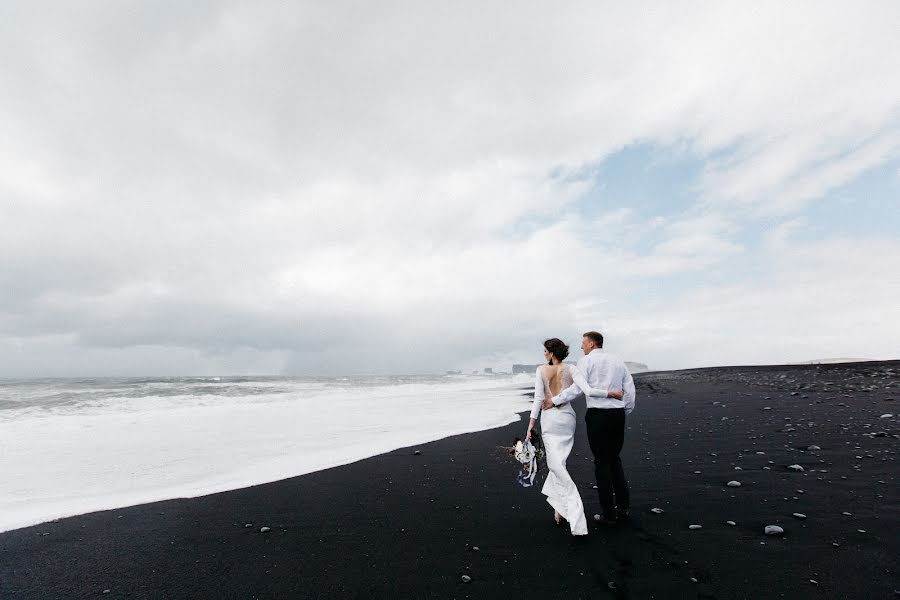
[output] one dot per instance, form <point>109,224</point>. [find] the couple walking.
<point>607,385</point>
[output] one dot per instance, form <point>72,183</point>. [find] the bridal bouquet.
<point>527,454</point>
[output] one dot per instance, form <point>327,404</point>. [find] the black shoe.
<point>622,514</point>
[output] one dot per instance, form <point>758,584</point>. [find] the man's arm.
<point>628,388</point>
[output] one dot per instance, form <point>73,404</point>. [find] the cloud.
<point>281,184</point>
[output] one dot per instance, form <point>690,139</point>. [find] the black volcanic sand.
<point>403,525</point>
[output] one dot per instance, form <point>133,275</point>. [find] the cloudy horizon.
<point>298,188</point>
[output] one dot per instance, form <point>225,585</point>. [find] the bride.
<point>558,432</point>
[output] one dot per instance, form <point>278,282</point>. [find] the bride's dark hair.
<point>557,348</point>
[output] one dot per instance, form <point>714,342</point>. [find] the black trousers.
<point>606,434</point>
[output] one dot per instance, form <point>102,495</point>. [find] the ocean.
<point>71,446</point>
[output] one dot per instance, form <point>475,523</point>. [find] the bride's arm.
<point>538,401</point>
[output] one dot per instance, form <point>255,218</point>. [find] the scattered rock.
<point>846,514</point>
<point>800,516</point>
<point>465,579</point>
<point>693,527</point>
<point>657,511</point>
<point>732,523</point>
<point>813,448</point>
<point>264,529</point>
<point>248,525</point>
<point>734,484</point>
<point>796,468</point>
<point>886,416</point>
<point>773,530</point>
<point>476,548</point>
<point>417,452</point>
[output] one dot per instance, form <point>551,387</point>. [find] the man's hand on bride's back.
<point>617,394</point>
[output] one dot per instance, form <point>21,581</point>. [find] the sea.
<point>72,446</point>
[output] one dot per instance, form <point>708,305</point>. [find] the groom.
<point>605,421</point>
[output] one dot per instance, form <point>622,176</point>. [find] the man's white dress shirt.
<point>601,371</point>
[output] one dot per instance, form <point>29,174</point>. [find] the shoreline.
<point>406,524</point>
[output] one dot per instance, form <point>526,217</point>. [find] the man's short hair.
<point>594,337</point>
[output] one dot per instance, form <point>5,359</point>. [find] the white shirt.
<point>601,372</point>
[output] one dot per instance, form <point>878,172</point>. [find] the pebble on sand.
<point>734,484</point>
<point>264,529</point>
<point>695,526</point>
<point>813,447</point>
<point>466,579</point>
<point>886,416</point>
<point>774,530</point>
<point>797,468</point>
<point>732,523</point>
<point>800,516</point>
<point>657,511</point>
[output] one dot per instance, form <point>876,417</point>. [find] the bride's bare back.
<point>557,378</point>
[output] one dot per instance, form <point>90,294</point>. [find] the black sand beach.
<point>407,525</point>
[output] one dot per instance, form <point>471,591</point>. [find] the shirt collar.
<point>600,350</point>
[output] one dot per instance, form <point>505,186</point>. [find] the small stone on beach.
<point>800,516</point>
<point>466,579</point>
<point>772,530</point>
<point>694,527</point>
<point>732,523</point>
<point>657,511</point>
<point>796,468</point>
<point>734,484</point>
<point>264,529</point>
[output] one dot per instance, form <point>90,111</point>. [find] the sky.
<point>311,188</point>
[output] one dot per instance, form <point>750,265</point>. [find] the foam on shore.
<point>57,463</point>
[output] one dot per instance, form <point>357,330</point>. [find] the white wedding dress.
<point>558,434</point>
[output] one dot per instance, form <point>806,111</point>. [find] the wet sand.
<point>407,525</point>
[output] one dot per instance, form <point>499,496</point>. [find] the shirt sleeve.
<point>628,391</point>
<point>538,394</point>
<point>580,380</point>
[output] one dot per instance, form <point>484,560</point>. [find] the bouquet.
<point>527,454</point>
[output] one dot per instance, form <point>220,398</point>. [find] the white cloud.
<point>277,179</point>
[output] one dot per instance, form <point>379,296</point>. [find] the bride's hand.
<point>617,394</point>
<point>528,435</point>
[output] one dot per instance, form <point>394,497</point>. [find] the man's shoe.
<point>604,521</point>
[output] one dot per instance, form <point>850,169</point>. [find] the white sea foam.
<point>98,451</point>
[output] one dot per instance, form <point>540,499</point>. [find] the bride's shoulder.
<point>540,370</point>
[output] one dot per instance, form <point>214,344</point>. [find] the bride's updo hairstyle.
<point>557,348</point>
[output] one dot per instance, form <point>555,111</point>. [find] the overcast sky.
<point>409,187</point>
